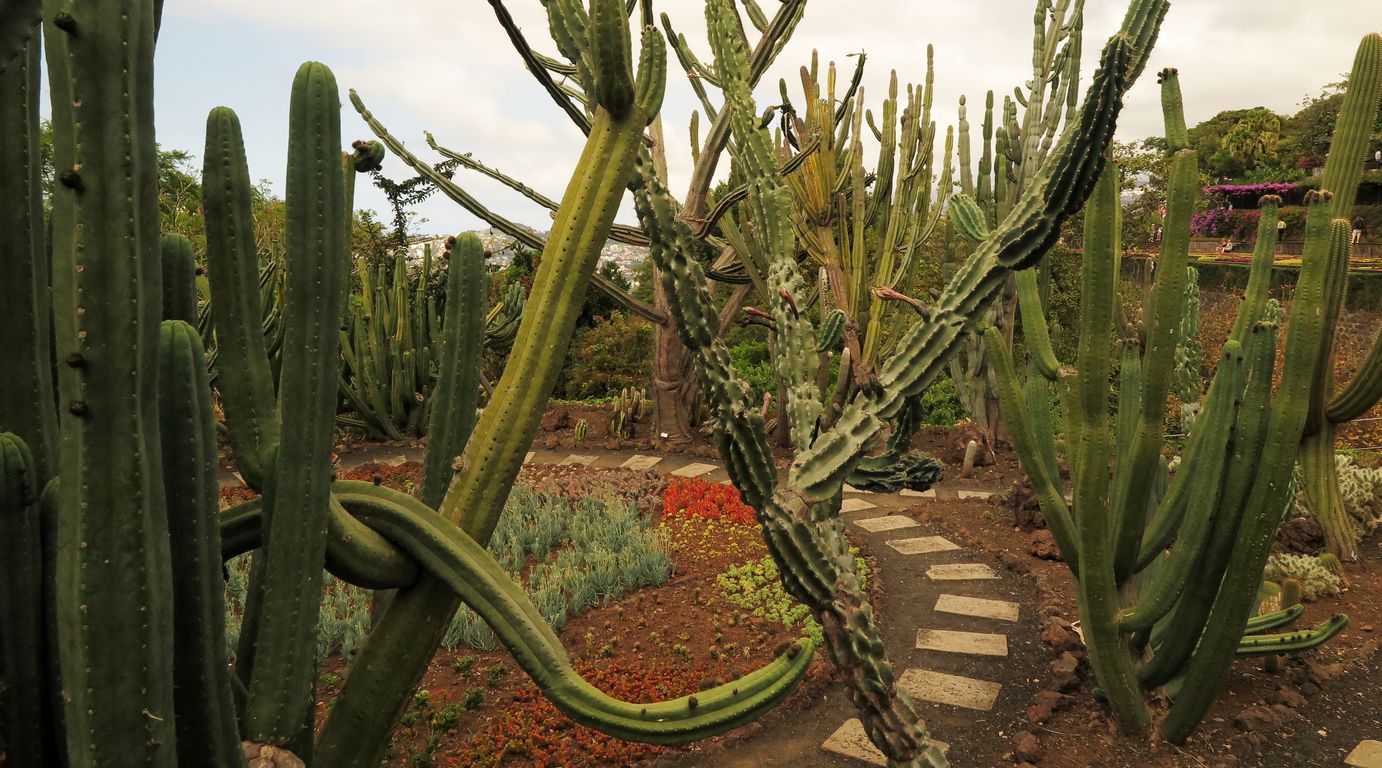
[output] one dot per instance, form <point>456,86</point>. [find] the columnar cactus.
<point>1183,624</point>
<point>1329,409</point>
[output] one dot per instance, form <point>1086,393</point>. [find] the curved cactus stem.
<point>1266,621</point>
<point>1292,642</point>
<point>482,583</point>
<point>1034,330</point>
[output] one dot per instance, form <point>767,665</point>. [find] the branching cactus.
<point>1166,587</point>
<point>1329,409</point>
<point>800,514</point>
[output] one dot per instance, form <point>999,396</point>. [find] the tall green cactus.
<point>1153,618</point>
<point>1329,409</point>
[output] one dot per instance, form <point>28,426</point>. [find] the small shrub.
<point>612,354</point>
<point>1316,579</point>
<point>693,497</point>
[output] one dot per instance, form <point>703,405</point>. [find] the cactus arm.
<point>1281,618</point>
<point>19,22</point>
<point>480,581</point>
<point>1207,465</point>
<point>298,497</point>
<point>1173,110</point>
<point>1327,253</point>
<point>27,725</point>
<point>207,733</point>
<point>457,393</point>
<point>1023,433</point>
<point>1292,642</point>
<point>1097,588</point>
<point>536,67</point>
<point>1348,146</point>
<point>586,213</point>
<point>1260,274</point>
<point>247,388</point>
<point>26,389</point>
<point>1132,480</point>
<point>970,220</point>
<point>1034,330</point>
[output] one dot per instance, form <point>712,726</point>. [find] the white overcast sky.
<point>446,66</point>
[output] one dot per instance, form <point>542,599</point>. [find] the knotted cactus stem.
<point>26,389</point>
<point>206,730</point>
<point>27,725</point>
<point>397,651</point>
<point>297,499</point>
<point>113,560</point>
<point>179,279</point>
<point>236,314</point>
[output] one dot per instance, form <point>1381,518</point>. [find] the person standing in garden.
<point>1358,224</point>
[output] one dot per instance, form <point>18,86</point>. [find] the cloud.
<point>446,66</point>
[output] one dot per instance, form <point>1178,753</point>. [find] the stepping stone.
<point>694,470</point>
<point>975,643</point>
<point>960,572</point>
<point>1001,610</point>
<point>1368,754</point>
<point>851,489</point>
<point>929,493</point>
<point>638,461</point>
<point>527,459</point>
<point>955,690</point>
<point>577,459</point>
<point>850,740</point>
<point>886,523</point>
<point>856,505</point>
<point>923,545</point>
<point>974,494</point>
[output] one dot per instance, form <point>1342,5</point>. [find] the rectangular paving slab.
<point>529,457</point>
<point>850,740</point>
<point>856,505</point>
<point>694,470</point>
<point>638,461</point>
<point>885,523</point>
<point>929,493</point>
<point>960,572</point>
<point>974,643</point>
<point>923,545</point>
<point>578,459</point>
<point>973,494</point>
<point>851,489</point>
<point>1001,610</point>
<point>954,690</point>
<point>1368,754</point>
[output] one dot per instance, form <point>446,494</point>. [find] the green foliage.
<point>607,357</point>
<point>753,363</point>
<point>756,588</point>
<point>941,405</point>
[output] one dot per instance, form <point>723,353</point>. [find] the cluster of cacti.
<point>1313,575</point>
<point>800,515</point>
<point>625,412</point>
<point>1011,151</point>
<point>126,585</point>
<point>582,427</point>
<point>390,342</point>
<point>1360,488</point>
<point>1185,619</point>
